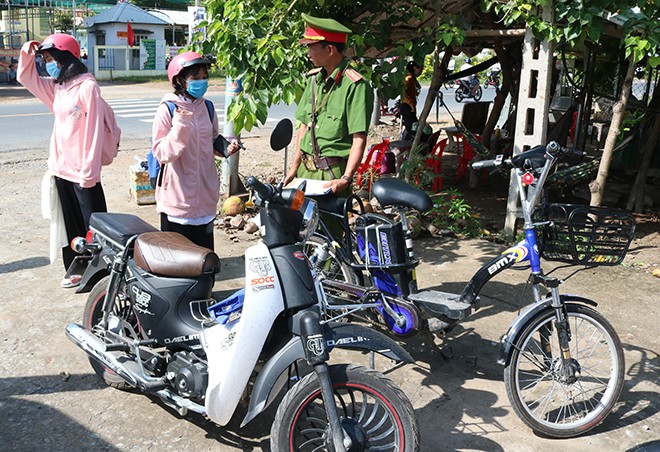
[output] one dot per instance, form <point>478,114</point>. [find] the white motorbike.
<point>152,325</point>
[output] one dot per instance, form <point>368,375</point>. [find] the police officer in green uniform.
<point>334,112</point>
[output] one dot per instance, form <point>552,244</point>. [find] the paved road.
<point>134,107</point>
<point>134,114</point>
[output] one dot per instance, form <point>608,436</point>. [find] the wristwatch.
<point>347,178</point>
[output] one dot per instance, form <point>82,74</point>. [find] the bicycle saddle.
<point>395,192</point>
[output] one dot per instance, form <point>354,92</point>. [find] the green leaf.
<point>261,43</point>
<point>262,113</point>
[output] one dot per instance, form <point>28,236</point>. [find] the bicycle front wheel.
<point>333,267</point>
<point>556,401</point>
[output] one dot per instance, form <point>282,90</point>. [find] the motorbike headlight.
<point>310,221</point>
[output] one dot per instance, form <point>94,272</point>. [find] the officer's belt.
<point>319,163</point>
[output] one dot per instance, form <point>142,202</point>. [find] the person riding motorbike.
<point>471,79</point>
<point>494,75</point>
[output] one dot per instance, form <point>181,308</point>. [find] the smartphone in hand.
<point>221,144</point>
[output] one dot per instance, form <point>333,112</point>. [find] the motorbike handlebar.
<point>487,164</point>
<point>553,149</point>
<point>264,191</point>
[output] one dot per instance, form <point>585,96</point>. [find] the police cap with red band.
<point>323,30</point>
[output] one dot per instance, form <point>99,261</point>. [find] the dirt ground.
<point>51,399</point>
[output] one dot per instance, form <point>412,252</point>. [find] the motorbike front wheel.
<point>458,95</point>
<point>552,399</point>
<point>124,319</point>
<point>374,412</point>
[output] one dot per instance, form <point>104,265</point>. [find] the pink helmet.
<point>62,42</point>
<point>182,60</point>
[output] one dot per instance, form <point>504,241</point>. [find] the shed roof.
<point>124,12</point>
<point>172,17</point>
<point>480,27</point>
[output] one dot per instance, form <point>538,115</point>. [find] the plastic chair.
<point>370,169</point>
<point>434,163</point>
<point>465,154</point>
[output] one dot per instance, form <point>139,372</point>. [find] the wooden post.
<point>533,104</point>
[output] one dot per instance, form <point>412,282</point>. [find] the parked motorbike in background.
<point>152,324</point>
<point>464,91</point>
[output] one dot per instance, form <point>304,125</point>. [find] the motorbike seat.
<point>172,254</point>
<point>118,227</point>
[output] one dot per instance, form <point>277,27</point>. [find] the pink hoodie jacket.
<point>184,144</point>
<point>76,144</point>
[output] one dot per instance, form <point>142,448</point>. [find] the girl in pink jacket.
<point>187,193</point>
<point>76,144</point>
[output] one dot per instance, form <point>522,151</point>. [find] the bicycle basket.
<point>586,235</point>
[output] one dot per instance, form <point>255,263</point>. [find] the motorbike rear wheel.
<point>373,410</point>
<point>540,392</point>
<point>93,316</point>
<point>477,94</point>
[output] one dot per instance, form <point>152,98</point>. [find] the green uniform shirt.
<point>346,111</point>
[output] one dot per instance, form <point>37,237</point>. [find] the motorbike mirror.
<point>282,134</point>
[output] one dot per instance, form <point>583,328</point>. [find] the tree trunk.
<point>500,97</point>
<point>436,81</point>
<point>651,129</point>
<point>597,187</point>
<point>498,105</point>
<point>636,199</point>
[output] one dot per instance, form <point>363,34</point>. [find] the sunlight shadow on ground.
<point>24,264</point>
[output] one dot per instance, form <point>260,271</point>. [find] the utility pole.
<point>74,18</point>
<point>229,182</point>
<point>11,25</point>
<point>27,25</point>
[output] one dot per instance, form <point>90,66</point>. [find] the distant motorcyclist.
<point>494,75</point>
<point>471,79</point>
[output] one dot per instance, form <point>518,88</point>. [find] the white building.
<point>109,52</point>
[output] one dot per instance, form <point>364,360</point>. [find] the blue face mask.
<point>53,69</point>
<point>197,88</point>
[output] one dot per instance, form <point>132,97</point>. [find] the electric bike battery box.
<point>381,242</point>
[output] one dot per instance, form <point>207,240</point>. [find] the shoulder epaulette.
<point>353,75</point>
<point>314,71</point>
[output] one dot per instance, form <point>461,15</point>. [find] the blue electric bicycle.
<point>563,361</point>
